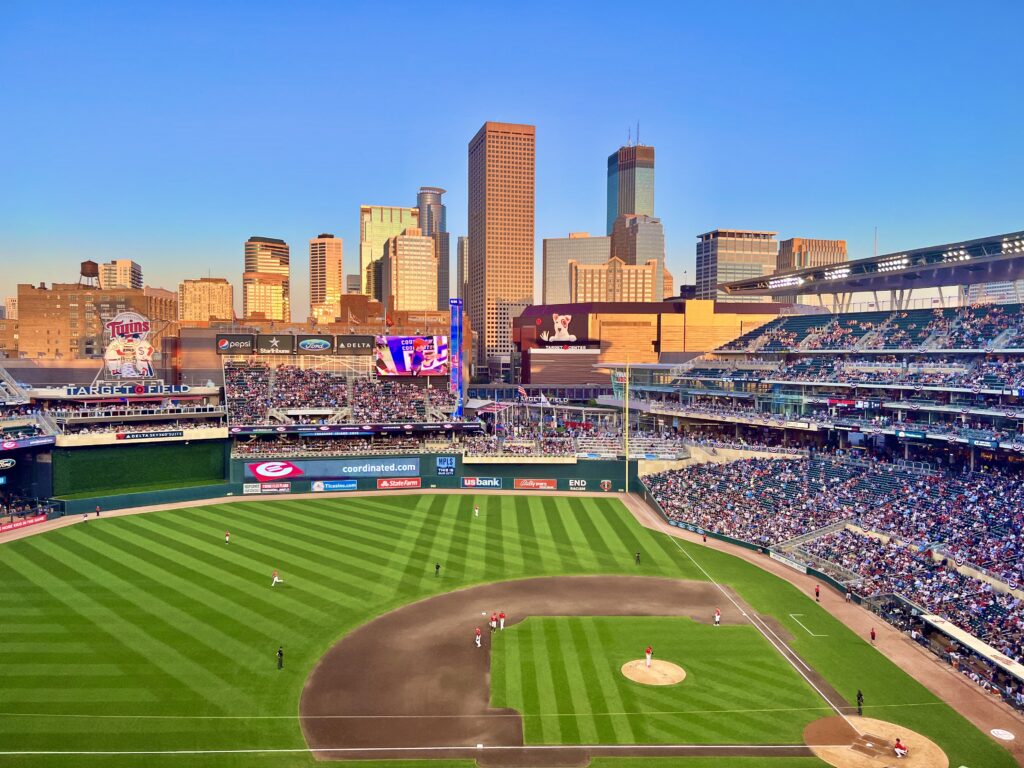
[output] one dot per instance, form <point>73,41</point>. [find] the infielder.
<point>501,620</point>
<point>900,748</point>
<point>478,635</point>
<point>276,580</point>
<point>494,621</point>
<point>718,617</point>
<point>649,653</point>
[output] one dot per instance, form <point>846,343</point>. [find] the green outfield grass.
<point>149,633</point>
<point>563,675</point>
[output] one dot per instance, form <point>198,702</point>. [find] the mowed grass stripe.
<point>425,525</point>
<point>544,684</point>
<point>235,580</point>
<point>495,532</point>
<point>576,679</point>
<point>567,511</point>
<point>122,631</point>
<point>556,656</point>
<point>148,590</point>
<point>187,576</point>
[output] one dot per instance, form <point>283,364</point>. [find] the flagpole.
<point>625,405</point>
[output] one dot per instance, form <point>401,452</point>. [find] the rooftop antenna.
<point>638,133</point>
<point>876,241</point>
<point>629,135</point>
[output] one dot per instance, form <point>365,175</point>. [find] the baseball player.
<point>718,617</point>
<point>478,636</point>
<point>817,592</point>
<point>872,635</point>
<point>227,537</point>
<point>649,653</point>
<point>637,558</point>
<point>900,748</point>
<point>97,510</point>
<point>860,702</point>
<point>476,510</point>
<point>501,620</point>
<point>280,657</point>
<point>494,621</point>
<point>275,580</point>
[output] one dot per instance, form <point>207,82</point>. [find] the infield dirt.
<point>413,684</point>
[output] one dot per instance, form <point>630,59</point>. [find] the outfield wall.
<point>334,474</point>
<point>108,468</point>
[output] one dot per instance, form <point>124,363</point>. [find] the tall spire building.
<point>434,224</point>
<point>630,182</point>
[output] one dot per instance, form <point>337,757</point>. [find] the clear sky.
<point>171,132</point>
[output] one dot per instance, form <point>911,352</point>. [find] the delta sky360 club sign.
<point>129,355</point>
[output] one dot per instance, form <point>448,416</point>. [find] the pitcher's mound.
<point>659,673</point>
<point>834,741</point>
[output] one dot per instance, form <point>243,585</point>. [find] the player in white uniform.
<point>276,580</point>
<point>718,617</point>
<point>649,653</point>
<point>478,635</point>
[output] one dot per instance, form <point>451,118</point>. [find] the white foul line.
<point>453,748</point>
<point>758,624</point>
<point>793,616</point>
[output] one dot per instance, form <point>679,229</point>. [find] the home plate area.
<point>873,746</point>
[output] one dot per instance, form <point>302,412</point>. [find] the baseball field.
<point>147,639</point>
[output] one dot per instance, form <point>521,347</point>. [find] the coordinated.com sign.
<point>327,469</point>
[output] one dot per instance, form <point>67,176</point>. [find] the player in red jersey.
<point>649,653</point>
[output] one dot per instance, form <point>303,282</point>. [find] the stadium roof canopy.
<point>986,260</point>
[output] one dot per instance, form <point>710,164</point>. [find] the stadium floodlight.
<point>785,282</point>
<point>893,263</point>
<point>837,274</point>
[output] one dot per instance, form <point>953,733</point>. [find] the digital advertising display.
<point>411,355</point>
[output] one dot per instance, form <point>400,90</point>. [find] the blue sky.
<point>169,133</point>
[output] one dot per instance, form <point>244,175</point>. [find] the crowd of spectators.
<point>259,448</point>
<point>247,392</point>
<point>302,388</point>
<point>977,327</point>
<point>893,567</point>
<point>106,427</point>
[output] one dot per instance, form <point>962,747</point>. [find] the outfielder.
<point>476,510</point>
<point>227,537</point>
<point>276,580</point>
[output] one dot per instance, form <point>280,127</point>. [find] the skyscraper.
<point>638,239</point>
<point>725,255</point>
<point>376,224</point>
<point>207,298</point>
<point>325,277</point>
<point>501,231</point>
<point>579,247</point>
<point>801,252</point>
<point>408,272</point>
<point>353,283</point>
<point>614,280</point>
<point>266,281</point>
<point>120,273</point>
<point>462,268</point>
<point>630,182</point>
<point>433,222</point>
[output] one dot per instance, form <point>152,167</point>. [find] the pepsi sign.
<point>235,343</point>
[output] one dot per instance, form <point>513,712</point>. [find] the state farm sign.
<point>391,483</point>
<point>535,484</point>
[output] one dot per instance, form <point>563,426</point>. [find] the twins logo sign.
<point>128,354</point>
<point>265,471</point>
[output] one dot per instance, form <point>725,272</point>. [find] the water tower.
<point>89,274</point>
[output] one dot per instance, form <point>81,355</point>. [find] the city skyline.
<point>872,134</point>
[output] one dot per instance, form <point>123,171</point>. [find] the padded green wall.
<point>111,467</point>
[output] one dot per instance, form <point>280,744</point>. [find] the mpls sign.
<point>129,355</point>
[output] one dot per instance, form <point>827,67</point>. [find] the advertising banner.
<point>23,523</point>
<point>393,483</point>
<point>411,355</point>
<point>355,430</point>
<point>27,442</point>
<point>481,482</point>
<point>445,466</point>
<point>535,484</point>
<point>347,346</point>
<point>165,435</point>
<point>323,486</point>
<point>577,484</point>
<point>266,488</point>
<point>235,343</point>
<point>329,469</point>
<point>251,489</point>
<point>314,344</point>
<point>275,344</point>
<point>558,330</point>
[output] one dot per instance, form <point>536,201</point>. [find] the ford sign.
<point>7,463</point>
<point>315,345</point>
